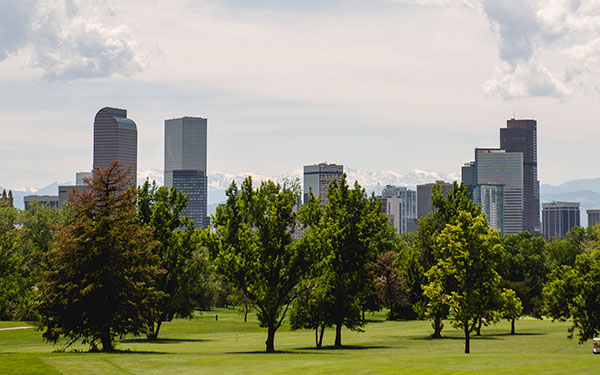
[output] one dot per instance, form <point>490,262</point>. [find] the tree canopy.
<point>100,281</point>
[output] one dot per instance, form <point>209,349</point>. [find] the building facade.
<point>317,178</point>
<point>501,173</point>
<point>400,206</point>
<point>115,138</point>
<point>424,197</point>
<point>558,218</point>
<point>81,176</point>
<point>490,197</point>
<point>46,200</point>
<point>593,217</point>
<point>521,136</point>
<point>185,164</point>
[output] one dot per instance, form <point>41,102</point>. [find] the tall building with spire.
<point>185,164</point>
<point>115,138</point>
<point>521,136</point>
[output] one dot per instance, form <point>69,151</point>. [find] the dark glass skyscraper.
<point>185,164</point>
<point>115,138</point>
<point>521,136</point>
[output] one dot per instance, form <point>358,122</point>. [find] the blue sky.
<point>373,84</point>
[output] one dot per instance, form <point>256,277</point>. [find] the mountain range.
<point>584,191</point>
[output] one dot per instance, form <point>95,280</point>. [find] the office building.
<point>490,197</point>
<point>80,177</point>
<point>64,194</point>
<point>185,164</point>
<point>593,217</point>
<point>558,218</point>
<point>115,138</point>
<point>502,174</point>
<point>424,197</point>
<point>521,136</point>
<point>318,177</point>
<point>45,200</point>
<point>400,206</point>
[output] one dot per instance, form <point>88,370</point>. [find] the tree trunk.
<point>317,337</point>
<point>467,338</point>
<point>480,322</point>
<point>107,345</point>
<point>512,327</point>
<point>363,314</point>
<point>437,327</point>
<point>270,339</point>
<point>338,335</point>
<point>246,315</point>
<point>320,344</point>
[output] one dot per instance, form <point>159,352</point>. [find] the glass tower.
<point>115,138</point>
<point>185,164</point>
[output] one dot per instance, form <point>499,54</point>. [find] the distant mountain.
<point>585,191</point>
<point>591,184</point>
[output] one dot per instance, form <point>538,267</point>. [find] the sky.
<point>372,84</point>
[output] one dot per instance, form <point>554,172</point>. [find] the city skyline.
<point>284,84</point>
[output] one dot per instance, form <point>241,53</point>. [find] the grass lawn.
<point>204,345</point>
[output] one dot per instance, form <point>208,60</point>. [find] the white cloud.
<point>69,39</point>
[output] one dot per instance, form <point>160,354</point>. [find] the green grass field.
<point>203,345</point>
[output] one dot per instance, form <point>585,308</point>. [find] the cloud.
<point>548,48</point>
<point>69,39</point>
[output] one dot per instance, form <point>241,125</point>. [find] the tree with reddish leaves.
<point>100,281</point>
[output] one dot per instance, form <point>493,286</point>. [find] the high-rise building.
<point>593,217</point>
<point>185,164</point>
<point>115,138</point>
<point>521,136</point>
<point>490,197</point>
<point>80,178</point>
<point>504,170</point>
<point>424,205</point>
<point>400,206</point>
<point>318,177</point>
<point>559,218</point>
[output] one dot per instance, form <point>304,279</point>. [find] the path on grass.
<point>11,328</point>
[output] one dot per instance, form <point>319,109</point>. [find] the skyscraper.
<point>498,174</point>
<point>593,217</point>
<point>424,197</point>
<point>318,177</point>
<point>400,206</point>
<point>521,136</point>
<point>185,164</point>
<point>115,138</point>
<point>559,218</point>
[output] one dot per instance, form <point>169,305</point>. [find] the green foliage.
<point>186,282</point>
<point>573,293</point>
<point>464,277</point>
<point>100,280</point>
<point>16,293</point>
<point>254,252</point>
<point>511,307</point>
<point>523,268</point>
<point>349,235</point>
<point>391,286</point>
<point>446,208</point>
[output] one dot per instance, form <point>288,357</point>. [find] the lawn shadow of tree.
<point>160,341</point>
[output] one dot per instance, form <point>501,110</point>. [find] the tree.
<point>16,294</point>
<point>254,252</point>
<point>446,208</point>
<point>464,277</point>
<point>390,285</point>
<point>351,232</point>
<point>313,308</point>
<point>523,268</point>
<point>177,252</point>
<point>100,281</point>
<point>511,307</point>
<point>572,293</point>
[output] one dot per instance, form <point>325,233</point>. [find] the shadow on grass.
<point>508,334</point>
<point>116,351</point>
<point>314,350</point>
<point>159,341</point>
<point>460,338</point>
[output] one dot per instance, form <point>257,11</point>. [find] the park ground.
<point>205,345</point>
